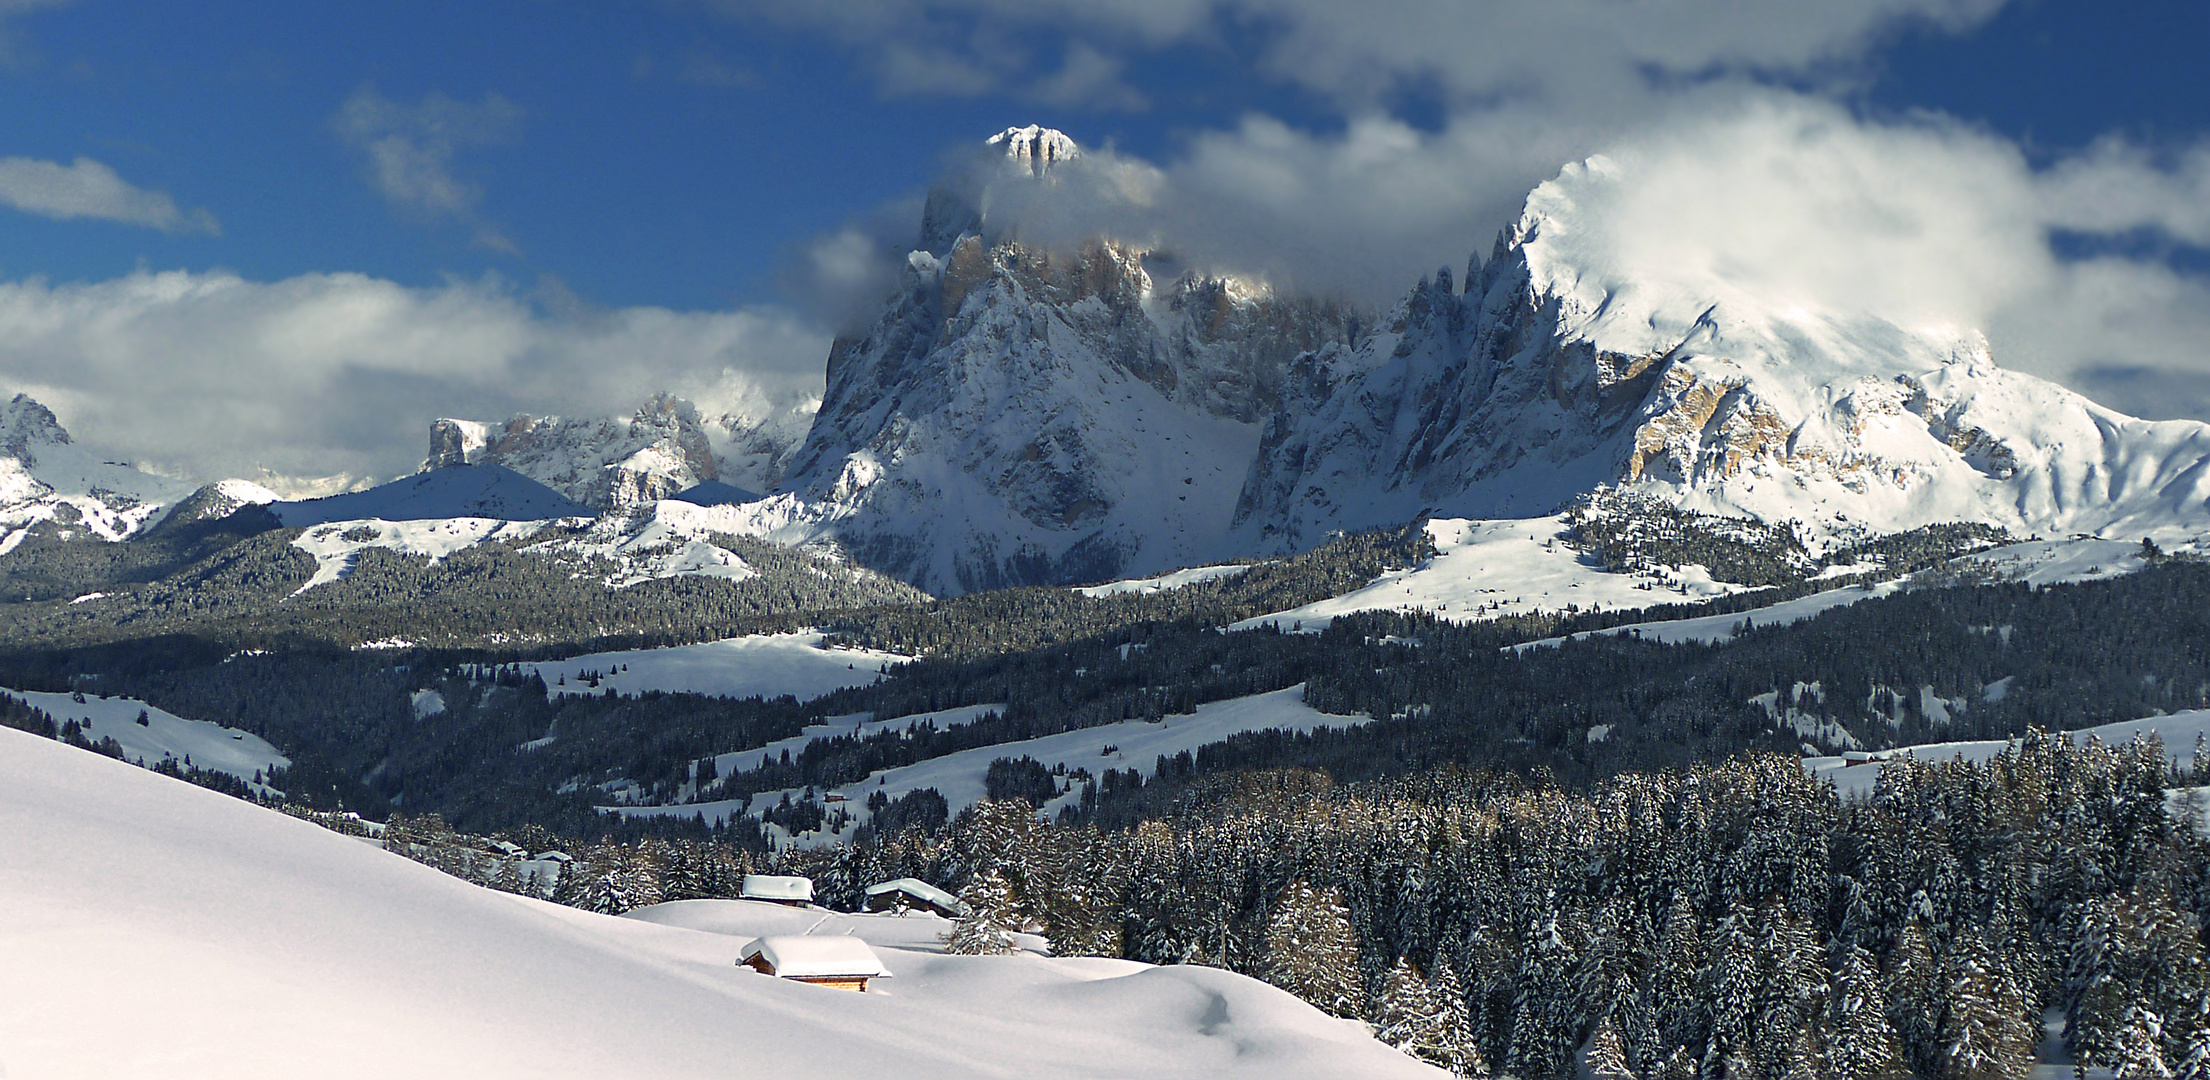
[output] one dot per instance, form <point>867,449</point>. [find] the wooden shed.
<point>845,963</point>
<point>913,894</point>
<point>793,891</point>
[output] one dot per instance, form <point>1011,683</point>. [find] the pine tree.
<point>1863,1045</point>
<point>1914,999</point>
<point>1428,1020</point>
<point>2139,1053</point>
<point>1606,1056</point>
<point>1312,952</point>
<point>1984,1032</point>
<point>982,931</point>
<point>1676,980</point>
<point>1737,989</point>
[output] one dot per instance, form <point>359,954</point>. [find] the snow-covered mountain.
<point>487,491</point>
<point>605,463</point>
<point>49,482</point>
<point>620,464</point>
<point>1569,363</point>
<point>1028,410</point>
<point>1023,413</point>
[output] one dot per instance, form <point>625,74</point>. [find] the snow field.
<point>337,545</point>
<point>159,929</point>
<point>1164,582</point>
<point>959,777</point>
<point>1488,569</point>
<point>856,724</point>
<point>209,745</point>
<point>762,665</point>
<point>1711,629</point>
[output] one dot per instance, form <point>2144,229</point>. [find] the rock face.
<point>52,487</point>
<point>1563,365</point>
<point>605,464</point>
<point>1021,414</point>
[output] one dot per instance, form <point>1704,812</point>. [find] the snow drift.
<point>158,929</point>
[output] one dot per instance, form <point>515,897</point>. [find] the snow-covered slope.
<point>1490,569</point>
<point>207,745</point>
<point>48,480</point>
<point>217,500</point>
<point>1857,774</point>
<point>1024,412</point>
<point>159,929</point>
<point>462,491</point>
<point>763,665</point>
<point>1572,360</point>
<point>1129,746</point>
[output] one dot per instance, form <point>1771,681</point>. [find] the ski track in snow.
<point>166,930</point>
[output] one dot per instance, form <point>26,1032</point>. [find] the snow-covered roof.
<point>919,890</point>
<point>770,887</point>
<point>794,957</point>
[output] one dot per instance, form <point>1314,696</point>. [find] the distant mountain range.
<point>1022,413</point>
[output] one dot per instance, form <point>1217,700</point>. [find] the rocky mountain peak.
<point>26,425</point>
<point>1576,358</point>
<point>958,205</point>
<point>1034,149</point>
<point>607,464</point>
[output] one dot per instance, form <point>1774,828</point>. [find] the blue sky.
<point>505,166</point>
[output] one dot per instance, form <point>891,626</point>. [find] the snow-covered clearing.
<point>858,725</point>
<point>1129,745</point>
<point>159,929</point>
<point>209,745</point>
<point>2054,562</point>
<point>1717,628</point>
<point>762,665</point>
<point>2037,562</point>
<point>1487,569</point>
<point>1854,775</point>
<point>1164,582</point>
<point>337,545</point>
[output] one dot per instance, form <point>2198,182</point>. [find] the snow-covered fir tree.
<point>1312,950</point>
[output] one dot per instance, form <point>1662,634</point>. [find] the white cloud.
<point>88,189</point>
<point>1089,79</point>
<point>1596,52</point>
<point>410,151</point>
<point>1925,222</point>
<point>211,375</point>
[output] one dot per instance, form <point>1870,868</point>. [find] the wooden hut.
<point>844,963</point>
<point>913,894</point>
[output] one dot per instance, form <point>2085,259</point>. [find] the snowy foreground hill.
<point>158,929</point>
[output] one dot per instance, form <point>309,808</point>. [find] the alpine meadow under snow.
<point>242,943</point>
